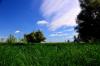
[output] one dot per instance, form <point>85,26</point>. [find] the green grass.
<point>50,55</point>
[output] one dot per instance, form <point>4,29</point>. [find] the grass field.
<point>50,55</point>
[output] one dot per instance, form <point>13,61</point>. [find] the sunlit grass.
<point>50,55</point>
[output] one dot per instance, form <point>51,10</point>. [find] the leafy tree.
<point>11,39</point>
<point>30,37</point>
<point>89,21</point>
<point>39,36</point>
<point>35,37</point>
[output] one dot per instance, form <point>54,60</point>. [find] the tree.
<point>89,21</point>
<point>39,36</point>
<point>35,37</point>
<point>11,39</point>
<point>76,40</point>
<point>30,38</point>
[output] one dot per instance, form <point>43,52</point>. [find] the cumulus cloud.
<point>42,22</point>
<point>17,31</point>
<point>60,12</point>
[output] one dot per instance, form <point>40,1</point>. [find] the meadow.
<point>62,54</point>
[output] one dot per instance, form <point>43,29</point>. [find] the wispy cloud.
<point>69,30</point>
<point>60,37</point>
<point>58,34</point>
<point>60,12</point>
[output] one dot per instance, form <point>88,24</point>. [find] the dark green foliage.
<point>11,39</point>
<point>76,40</point>
<point>39,36</point>
<point>22,40</point>
<point>50,55</point>
<point>35,37</point>
<point>89,21</point>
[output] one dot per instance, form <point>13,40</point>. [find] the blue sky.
<point>56,18</point>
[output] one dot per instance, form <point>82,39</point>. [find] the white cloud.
<point>69,30</point>
<point>60,37</point>
<point>60,12</point>
<point>17,31</point>
<point>58,34</point>
<point>42,22</point>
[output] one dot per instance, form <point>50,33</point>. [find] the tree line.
<point>33,37</point>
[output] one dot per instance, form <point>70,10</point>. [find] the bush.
<point>35,37</point>
<point>11,39</point>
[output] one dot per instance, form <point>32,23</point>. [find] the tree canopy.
<point>35,37</point>
<point>89,21</point>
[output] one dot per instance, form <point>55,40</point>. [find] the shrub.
<point>35,37</point>
<point>11,39</point>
